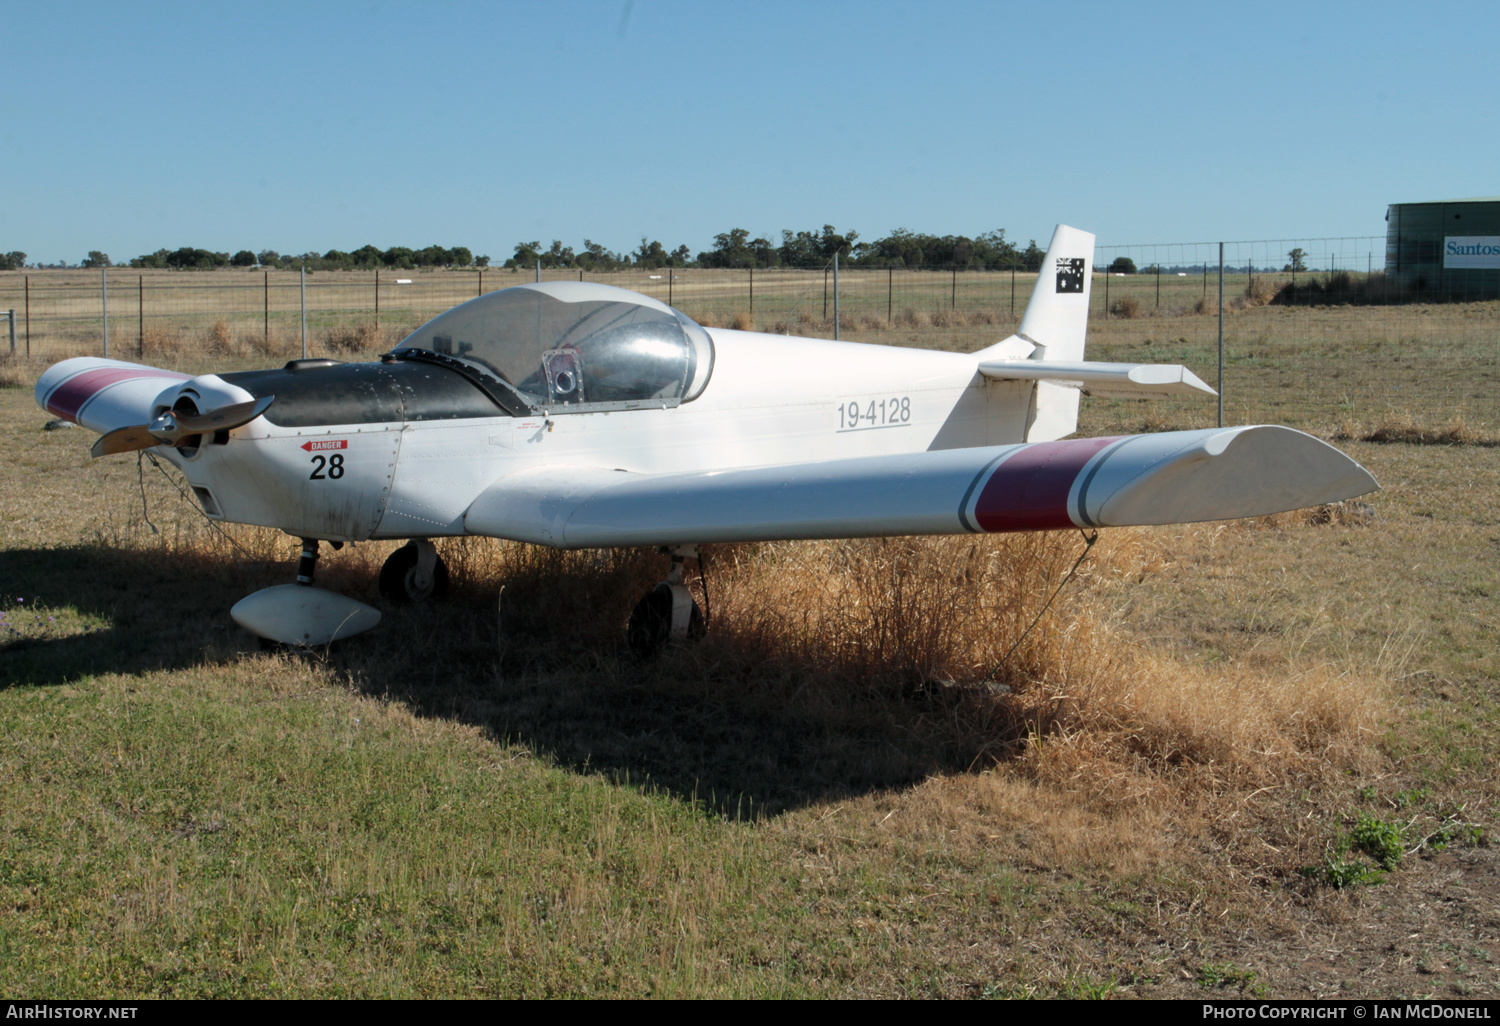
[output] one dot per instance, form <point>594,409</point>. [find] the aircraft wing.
<point>1164,478</point>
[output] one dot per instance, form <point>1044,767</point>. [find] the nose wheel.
<point>414,573</point>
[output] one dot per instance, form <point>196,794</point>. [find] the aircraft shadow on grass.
<point>738,749</point>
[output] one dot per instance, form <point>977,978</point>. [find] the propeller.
<point>171,427</point>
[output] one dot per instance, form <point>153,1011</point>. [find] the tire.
<point>396,577</point>
<point>650,627</point>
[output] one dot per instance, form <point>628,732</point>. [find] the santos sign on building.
<point>1471,251</point>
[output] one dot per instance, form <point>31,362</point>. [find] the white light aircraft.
<point>580,415</point>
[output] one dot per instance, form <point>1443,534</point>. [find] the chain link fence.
<point>1314,335</point>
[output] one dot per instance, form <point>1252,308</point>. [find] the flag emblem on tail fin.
<point>1070,274</point>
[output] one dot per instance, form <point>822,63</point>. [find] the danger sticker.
<point>325,444</point>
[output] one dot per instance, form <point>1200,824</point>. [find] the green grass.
<point>254,830</point>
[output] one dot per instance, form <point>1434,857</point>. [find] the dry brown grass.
<point>1259,292</point>
<point>163,343</point>
<point>742,321</point>
<point>361,339</point>
<point>915,635</point>
<point>14,373</point>
<point>1407,429</point>
<point>1126,307</point>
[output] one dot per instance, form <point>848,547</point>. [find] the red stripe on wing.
<point>69,397</point>
<point>1029,491</point>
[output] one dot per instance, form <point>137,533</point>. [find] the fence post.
<point>539,274</point>
<point>11,316</point>
<point>1106,296</point>
<point>1221,334</point>
<point>28,317</point>
<point>1013,289</point>
<point>890,279</point>
<point>953,290</point>
<point>377,302</point>
<point>825,293</point>
<point>481,281</point>
<point>140,315</point>
<point>266,303</point>
<point>104,296</point>
<point>835,295</point>
<point>1158,284</point>
<point>752,293</point>
<point>304,309</point>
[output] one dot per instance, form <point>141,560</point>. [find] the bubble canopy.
<point>570,345</point>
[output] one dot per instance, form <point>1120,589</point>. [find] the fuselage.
<point>395,450</point>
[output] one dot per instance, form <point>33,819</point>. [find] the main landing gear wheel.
<point>667,614</point>
<point>650,625</point>
<point>414,573</point>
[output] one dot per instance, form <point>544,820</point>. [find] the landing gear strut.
<point>668,613</point>
<point>414,573</point>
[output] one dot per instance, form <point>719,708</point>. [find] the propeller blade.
<point>171,428</point>
<point>125,439</point>
<point>222,419</point>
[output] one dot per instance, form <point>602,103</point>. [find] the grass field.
<point>1234,760</point>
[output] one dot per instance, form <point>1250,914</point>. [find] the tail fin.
<point>1057,318</point>
<point>1054,328</point>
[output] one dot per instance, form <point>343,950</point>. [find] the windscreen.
<point>574,343</point>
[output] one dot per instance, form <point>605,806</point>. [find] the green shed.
<point>1448,249</point>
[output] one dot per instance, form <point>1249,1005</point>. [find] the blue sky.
<point>297,126</point>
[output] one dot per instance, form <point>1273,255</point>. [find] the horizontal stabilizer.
<point>1111,380</point>
<point>1167,478</point>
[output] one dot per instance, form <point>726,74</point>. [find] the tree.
<point>558,255</point>
<point>731,249</point>
<point>398,256</point>
<point>527,254</point>
<point>244,258</point>
<point>596,258</point>
<point>1034,255</point>
<point>268,258</point>
<point>462,256</point>
<point>1121,265</point>
<point>190,257</point>
<point>13,261</point>
<point>96,259</point>
<point>367,256</point>
<point>651,254</point>
<point>482,261</point>
<point>1298,260</point>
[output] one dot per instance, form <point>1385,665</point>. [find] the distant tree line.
<point>901,248</point>
<point>366,257</point>
<point>732,249</point>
